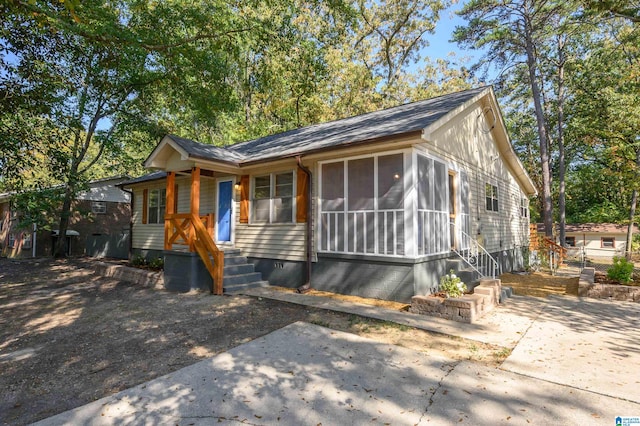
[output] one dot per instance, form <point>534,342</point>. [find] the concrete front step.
<point>239,274</point>
<point>230,280</point>
<point>228,289</point>
<point>238,268</point>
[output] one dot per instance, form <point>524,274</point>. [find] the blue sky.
<point>439,45</point>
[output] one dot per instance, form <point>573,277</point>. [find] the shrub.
<point>157,263</point>
<point>452,285</point>
<point>621,270</point>
<point>138,260</point>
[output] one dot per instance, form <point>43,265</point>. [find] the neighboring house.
<point>99,225</point>
<point>595,240</point>
<point>379,205</point>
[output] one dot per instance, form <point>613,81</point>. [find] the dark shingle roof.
<point>374,125</point>
<point>208,152</point>
<point>145,178</point>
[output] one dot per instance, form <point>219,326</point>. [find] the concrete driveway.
<point>577,362</point>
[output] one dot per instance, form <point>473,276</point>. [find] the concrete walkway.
<point>574,362</point>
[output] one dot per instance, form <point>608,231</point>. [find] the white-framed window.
<point>157,205</point>
<point>524,207</point>
<point>272,198</point>
<point>26,240</point>
<point>491,197</point>
<point>98,207</point>
<point>362,205</point>
<point>433,206</point>
<point>607,242</point>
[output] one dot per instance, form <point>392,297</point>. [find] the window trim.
<point>494,197</point>
<point>602,242</point>
<point>272,196</point>
<point>99,207</point>
<point>524,207</point>
<point>27,240</point>
<point>162,201</point>
<point>570,238</point>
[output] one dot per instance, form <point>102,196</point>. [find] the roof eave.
<point>346,145</point>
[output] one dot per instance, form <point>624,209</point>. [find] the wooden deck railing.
<point>560,251</point>
<point>197,233</point>
<point>178,228</point>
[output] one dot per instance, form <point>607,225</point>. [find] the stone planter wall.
<point>588,288</point>
<point>133,275</point>
<point>467,308</point>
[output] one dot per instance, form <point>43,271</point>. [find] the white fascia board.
<point>153,161</point>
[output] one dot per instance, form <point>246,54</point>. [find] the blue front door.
<point>225,192</point>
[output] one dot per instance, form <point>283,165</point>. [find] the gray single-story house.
<point>378,205</point>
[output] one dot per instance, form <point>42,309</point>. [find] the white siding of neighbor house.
<point>467,142</point>
<point>592,244</point>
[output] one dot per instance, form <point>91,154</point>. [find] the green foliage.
<point>452,285</point>
<point>621,270</point>
<point>635,244</point>
<point>37,206</point>
<point>139,261</point>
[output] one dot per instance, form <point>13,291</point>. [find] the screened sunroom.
<point>405,204</point>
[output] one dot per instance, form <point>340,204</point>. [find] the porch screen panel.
<point>333,187</point>
<point>360,201</point>
<point>465,211</point>
<point>360,185</point>
<point>433,214</point>
<point>369,221</point>
<point>332,206</point>
<point>390,182</point>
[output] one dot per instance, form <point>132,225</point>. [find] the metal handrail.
<point>477,257</point>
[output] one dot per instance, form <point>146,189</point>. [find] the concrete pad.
<point>473,394</point>
<point>308,375</point>
<point>300,374</point>
<point>587,344</point>
<point>504,325</point>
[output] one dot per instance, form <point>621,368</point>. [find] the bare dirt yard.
<point>540,284</point>
<point>69,337</point>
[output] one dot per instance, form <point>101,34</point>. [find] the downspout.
<point>307,285</point>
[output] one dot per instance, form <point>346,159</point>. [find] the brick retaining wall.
<point>588,288</point>
<point>467,308</point>
<point>141,277</point>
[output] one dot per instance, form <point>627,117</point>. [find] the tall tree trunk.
<point>561,151</point>
<point>632,210</point>
<point>60,249</point>
<point>547,207</point>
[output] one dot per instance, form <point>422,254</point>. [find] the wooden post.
<point>169,208</point>
<point>195,200</point>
